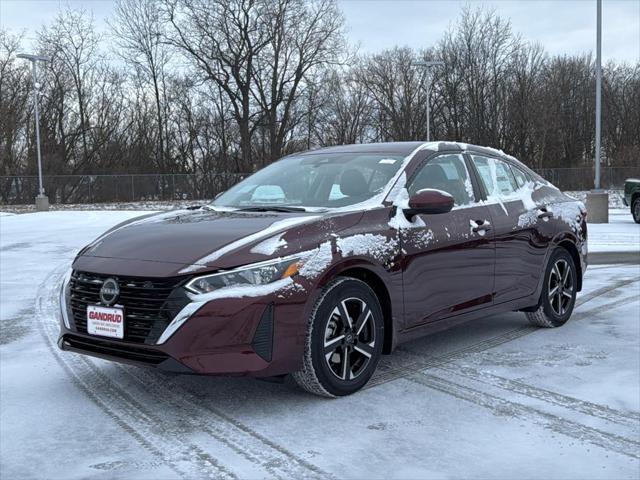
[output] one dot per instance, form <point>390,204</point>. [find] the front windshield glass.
<point>314,180</point>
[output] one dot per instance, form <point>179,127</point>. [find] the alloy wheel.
<point>349,338</point>
<point>560,288</point>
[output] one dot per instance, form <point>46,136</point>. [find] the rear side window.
<point>496,176</point>
<point>447,173</point>
<point>521,178</point>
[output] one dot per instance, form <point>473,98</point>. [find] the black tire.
<point>558,296</point>
<point>324,373</point>
<point>635,209</point>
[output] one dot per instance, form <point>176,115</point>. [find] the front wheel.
<point>344,339</point>
<point>635,209</point>
<point>558,295</point>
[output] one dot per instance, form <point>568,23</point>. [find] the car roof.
<point>404,148</point>
<point>398,148</point>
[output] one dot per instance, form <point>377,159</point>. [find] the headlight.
<point>254,274</point>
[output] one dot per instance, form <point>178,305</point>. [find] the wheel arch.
<point>570,247</point>
<point>378,286</point>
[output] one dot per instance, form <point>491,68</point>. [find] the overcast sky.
<point>561,26</point>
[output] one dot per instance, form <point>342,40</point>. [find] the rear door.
<point>448,258</point>
<point>521,244</point>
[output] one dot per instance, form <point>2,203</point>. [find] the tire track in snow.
<point>397,367</point>
<point>604,290</point>
<point>500,406</point>
<point>185,459</point>
<point>630,419</point>
<point>243,441</point>
<point>414,372</point>
<point>278,461</point>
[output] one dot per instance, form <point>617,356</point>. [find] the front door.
<point>448,258</point>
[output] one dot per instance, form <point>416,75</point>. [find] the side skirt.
<point>449,322</point>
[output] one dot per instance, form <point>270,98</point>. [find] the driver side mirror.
<point>430,201</point>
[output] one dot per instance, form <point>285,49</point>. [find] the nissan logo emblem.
<point>109,291</point>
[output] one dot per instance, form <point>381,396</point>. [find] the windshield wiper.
<point>272,208</point>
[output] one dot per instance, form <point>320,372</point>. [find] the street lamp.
<point>427,67</point>
<point>42,202</point>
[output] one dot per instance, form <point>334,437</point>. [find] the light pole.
<point>427,67</point>
<point>598,89</point>
<point>42,201</point>
<point>597,199</point>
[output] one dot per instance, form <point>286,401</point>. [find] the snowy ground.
<point>621,234</point>
<point>490,399</point>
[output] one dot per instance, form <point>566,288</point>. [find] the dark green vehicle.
<point>632,197</point>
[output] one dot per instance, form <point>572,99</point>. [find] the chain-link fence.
<point>20,190</point>
<point>571,179</point>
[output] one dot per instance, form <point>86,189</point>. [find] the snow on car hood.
<point>202,239</point>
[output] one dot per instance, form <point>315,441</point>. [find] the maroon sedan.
<point>324,260</point>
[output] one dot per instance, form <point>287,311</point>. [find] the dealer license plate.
<point>105,321</point>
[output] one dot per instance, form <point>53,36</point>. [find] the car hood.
<point>207,239</point>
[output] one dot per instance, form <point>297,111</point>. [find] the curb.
<point>608,258</point>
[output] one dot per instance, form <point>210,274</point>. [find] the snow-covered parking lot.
<point>491,399</point>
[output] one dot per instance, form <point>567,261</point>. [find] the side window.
<point>447,173</point>
<point>521,178</point>
<point>496,176</point>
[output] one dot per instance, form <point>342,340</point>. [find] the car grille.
<point>149,303</point>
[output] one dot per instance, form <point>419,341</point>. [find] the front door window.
<point>447,173</point>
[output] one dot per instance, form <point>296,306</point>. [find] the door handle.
<point>480,226</point>
<point>544,214</point>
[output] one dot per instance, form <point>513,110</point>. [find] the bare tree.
<point>302,37</point>
<point>139,32</point>
<point>222,40</point>
<point>395,87</point>
<point>220,87</point>
<point>72,43</point>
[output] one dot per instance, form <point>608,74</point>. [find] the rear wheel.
<point>635,209</point>
<point>344,340</point>
<point>558,295</point>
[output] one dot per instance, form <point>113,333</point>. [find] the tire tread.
<point>306,377</point>
<point>539,317</point>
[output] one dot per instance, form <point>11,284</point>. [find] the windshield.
<point>317,180</point>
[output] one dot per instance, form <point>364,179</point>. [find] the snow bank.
<point>615,197</point>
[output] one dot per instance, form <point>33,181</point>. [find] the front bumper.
<point>255,336</point>
<point>120,352</point>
